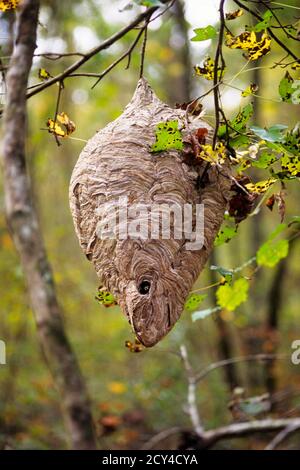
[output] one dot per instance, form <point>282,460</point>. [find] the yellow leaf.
<point>250,90</point>
<point>291,163</point>
<point>213,156</point>
<point>8,4</point>
<point>44,74</point>
<point>64,119</point>
<point>261,186</point>
<point>55,128</point>
<point>296,65</point>
<point>234,14</point>
<point>207,69</point>
<point>249,43</point>
<point>118,388</point>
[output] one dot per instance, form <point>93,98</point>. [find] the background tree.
<point>131,394</point>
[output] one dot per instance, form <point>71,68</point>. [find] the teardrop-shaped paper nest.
<point>117,162</point>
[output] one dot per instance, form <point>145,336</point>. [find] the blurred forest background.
<point>134,396</point>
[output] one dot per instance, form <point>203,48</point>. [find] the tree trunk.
<point>24,227</point>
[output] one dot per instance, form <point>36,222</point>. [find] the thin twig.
<point>161,436</point>
<point>254,357</point>
<point>216,66</point>
<point>127,53</point>
<point>60,87</point>
<point>280,437</point>
<point>104,45</point>
<point>143,50</point>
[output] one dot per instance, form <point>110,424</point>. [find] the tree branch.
<point>244,429</point>
<point>276,39</point>
<point>191,400</point>
<point>210,437</point>
<point>234,360</point>
<point>24,227</point>
<point>104,45</point>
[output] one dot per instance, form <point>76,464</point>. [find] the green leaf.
<point>264,160</point>
<point>265,23</point>
<point>291,164</point>
<point>289,89</point>
<point>272,251</point>
<point>230,297</point>
<point>203,34</point>
<point>296,92</point>
<point>239,122</point>
<point>149,3</point>
<point>225,234</point>
<point>199,315</point>
<point>273,134</point>
<point>168,137</point>
<point>292,141</point>
<point>285,87</point>
<point>193,301</point>
<point>239,141</point>
<point>106,298</point>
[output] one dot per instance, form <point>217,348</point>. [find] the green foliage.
<point>238,125</point>
<point>272,251</point>
<point>273,134</point>
<point>203,34</point>
<point>149,3</point>
<point>264,160</point>
<point>289,89</point>
<point>226,233</point>
<point>105,298</point>
<point>231,296</point>
<point>285,87</point>
<point>168,136</point>
<point>265,23</point>
<point>193,301</point>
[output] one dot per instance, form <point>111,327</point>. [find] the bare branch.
<point>122,57</point>
<point>280,437</point>
<point>255,357</point>
<point>104,45</point>
<point>24,227</point>
<point>244,429</point>
<point>161,436</point>
<point>191,399</point>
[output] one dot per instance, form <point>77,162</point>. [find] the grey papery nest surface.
<point>117,162</point>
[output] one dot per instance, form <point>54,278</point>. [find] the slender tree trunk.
<point>181,85</point>
<point>275,300</point>
<point>24,227</point>
<point>225,341</point>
